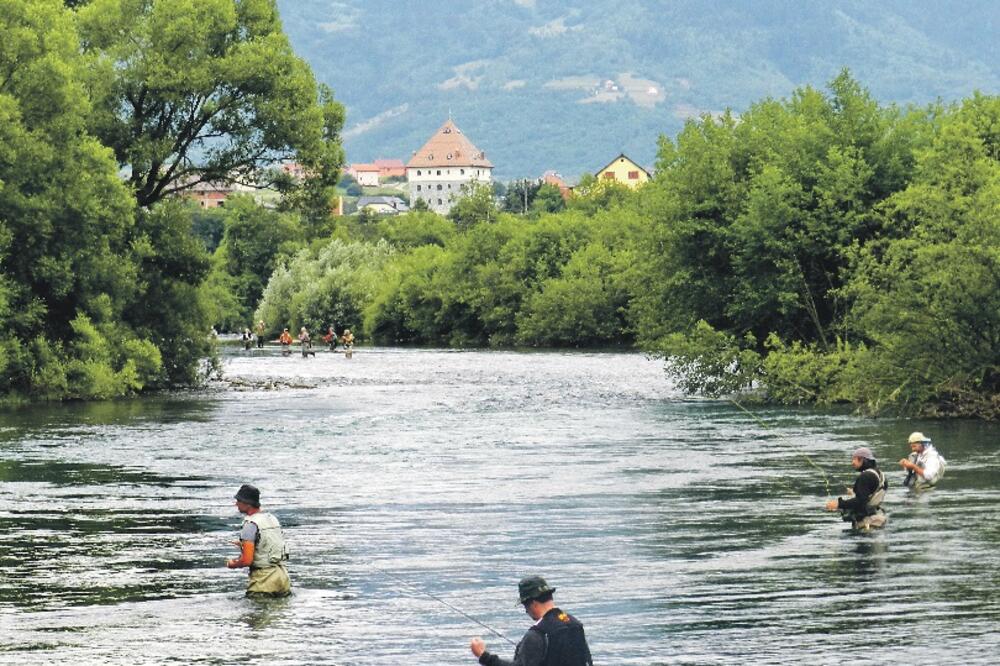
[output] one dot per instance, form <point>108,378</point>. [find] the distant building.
<point>382,205</point>
<point>448,161</point>
<point>554,179</point>
<point>623,170</point>
<point>365,174</point>
<point>295,170</point>
<point>214,194</point>
<point>390,169</point>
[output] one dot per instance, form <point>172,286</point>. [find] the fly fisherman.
<point>262,547</point>
<point>925,465</point>
<point>863,508</point>
<point>555,639</point>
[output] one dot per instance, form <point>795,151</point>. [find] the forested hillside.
<point>525,79</point>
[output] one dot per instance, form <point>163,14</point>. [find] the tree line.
<point>818,249</point>
<point>821,248</point>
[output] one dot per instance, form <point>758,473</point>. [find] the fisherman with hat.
<point>262,547</point>
<point>863,508</point>
<point>925,465</point>
<point>556,638</point>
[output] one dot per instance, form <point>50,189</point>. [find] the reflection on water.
<point>678,530</point>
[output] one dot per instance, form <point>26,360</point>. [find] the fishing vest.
<point>269,549</point>
<point>565,642</point>
<point>875,499</point>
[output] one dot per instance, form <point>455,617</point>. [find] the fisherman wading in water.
<point>863,509</point>
<point>925,466</point>
<point>556,638</point>
<point>262,547</point>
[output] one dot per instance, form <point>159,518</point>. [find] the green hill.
<point>554,84</point>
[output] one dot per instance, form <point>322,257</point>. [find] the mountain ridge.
<point>526,80</point>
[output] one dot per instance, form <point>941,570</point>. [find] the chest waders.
<point>268,574</point>
<point>919,482</point>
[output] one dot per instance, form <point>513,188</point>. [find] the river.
<point>678,530</point>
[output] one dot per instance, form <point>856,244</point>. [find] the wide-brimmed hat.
<point>532,587</point>
<point>248,495</point>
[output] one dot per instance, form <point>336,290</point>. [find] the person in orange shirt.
<point>286,342</point>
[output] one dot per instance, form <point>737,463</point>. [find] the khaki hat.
<point>918,438</point>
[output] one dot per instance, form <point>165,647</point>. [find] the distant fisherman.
<point>864,508</point>
<point>925,465</point>
<point>285,339</point>
<point>556,638</point>
<point>262,547</point>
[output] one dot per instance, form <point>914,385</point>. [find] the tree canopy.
<point>192,91</point>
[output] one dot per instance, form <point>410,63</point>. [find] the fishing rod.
<point>438,599</point>
<point>826,479</point>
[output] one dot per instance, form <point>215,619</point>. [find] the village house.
<point>390,169</point>
<point>214,194</point>
<point>556,180</point>
<point>366,175</point>
<point>383,205</point>
<point>448,161</point>
<point>623,170</point>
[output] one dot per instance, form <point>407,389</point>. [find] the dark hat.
<point>532,587</point>
<point>248,495</point>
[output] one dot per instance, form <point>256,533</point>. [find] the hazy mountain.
<point>526,79</point>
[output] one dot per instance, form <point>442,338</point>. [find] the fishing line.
<point>826,479</point>
<point>438,599</point>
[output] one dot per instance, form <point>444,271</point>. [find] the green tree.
<point>255,240</point>
<point>548,199</point>
<point>476,204</point>
<point>927,298</point>
<point>519,195</point>
<point>67,260</point>
<point>190,91</point>
<point>757,220</point>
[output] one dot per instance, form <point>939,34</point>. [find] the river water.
<point>678,531</point>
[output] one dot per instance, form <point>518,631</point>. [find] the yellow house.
<point>625,171</point>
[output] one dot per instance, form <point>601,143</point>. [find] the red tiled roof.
<point>449,147</point>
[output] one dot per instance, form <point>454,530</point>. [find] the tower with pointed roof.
<point>437,172</point>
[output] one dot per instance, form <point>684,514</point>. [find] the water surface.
<point>677,530</point>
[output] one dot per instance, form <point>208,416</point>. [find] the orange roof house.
<point>445,164</point>
<point>365,174</point>
<point>553,178</point>
<point>391,168</point>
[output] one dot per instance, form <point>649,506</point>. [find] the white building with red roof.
<point>437,172</point>
<point>366,175</point>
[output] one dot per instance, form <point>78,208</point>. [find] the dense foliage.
<point>103,286</point>
<point>825,249</point>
